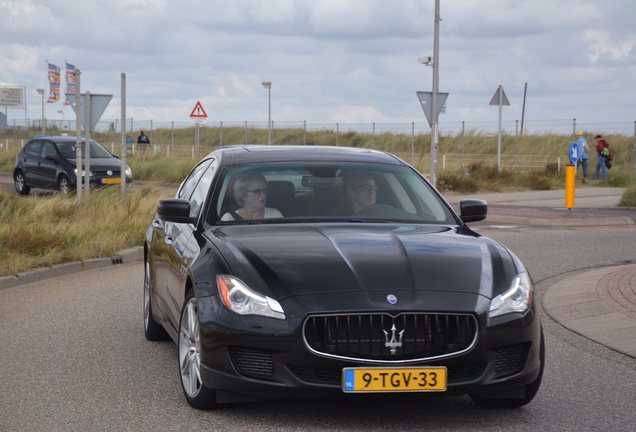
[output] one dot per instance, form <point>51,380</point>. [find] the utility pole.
<point>434,123</point>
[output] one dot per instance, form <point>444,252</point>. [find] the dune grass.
<point>50,229</point>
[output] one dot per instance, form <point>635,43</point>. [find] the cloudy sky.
<point>344,61</point>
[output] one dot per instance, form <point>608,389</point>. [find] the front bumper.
<point>269,358</point>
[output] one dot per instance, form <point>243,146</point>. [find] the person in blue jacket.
<point>584,153</point>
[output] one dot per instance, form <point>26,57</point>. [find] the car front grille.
<point>104,173</point>
<point>381,337</point>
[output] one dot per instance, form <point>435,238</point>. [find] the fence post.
<point>373,136</point>
<point>463,139</point>
<point>634,151</point>
<point>412,140</point>
<point>304,132</point>
<point>221,134</point>
<point>337,134</point>
<point>516,141</point>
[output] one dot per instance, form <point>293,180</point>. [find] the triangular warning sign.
<point>499,98</point>
<point>198,111</point>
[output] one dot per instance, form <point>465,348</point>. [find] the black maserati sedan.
<point>313,270</point>
<point>49,162</point>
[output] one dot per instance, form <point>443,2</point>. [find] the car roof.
<point>252,153</point>
<point>59,138</point>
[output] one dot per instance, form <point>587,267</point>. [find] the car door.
<point>48,166</point>
<point>31,160</point>
<point>174,247</point>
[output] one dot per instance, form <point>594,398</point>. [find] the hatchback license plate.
<point>358,380</point>
<point>111,180</point>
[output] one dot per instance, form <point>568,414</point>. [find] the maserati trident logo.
<point>396,339</point>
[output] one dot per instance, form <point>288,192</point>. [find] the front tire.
<point>64,184</point>
<point>20,184</point>
<point>197,395</point>
<point>152,330</point>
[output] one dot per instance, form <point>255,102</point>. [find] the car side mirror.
<point>175,210</point>
<point>472,210</point>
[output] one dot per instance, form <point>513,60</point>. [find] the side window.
<point>34,148</point>
<point>201,189</point>
<point>48,149</point>
<point>193,178</point>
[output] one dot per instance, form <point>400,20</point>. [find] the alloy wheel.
<point>190,349</point>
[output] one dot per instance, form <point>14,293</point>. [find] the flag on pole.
<point>54,83</point>
<point>70,81</point>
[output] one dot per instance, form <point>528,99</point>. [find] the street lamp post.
<point>41,91</point>
<point>268,86</point>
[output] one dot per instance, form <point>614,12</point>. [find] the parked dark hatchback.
<point>296,270</point>
<point>50,163</point>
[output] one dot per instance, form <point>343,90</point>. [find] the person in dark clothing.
<point>144,141</point>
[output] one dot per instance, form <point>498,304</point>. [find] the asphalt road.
<point>73,358</point>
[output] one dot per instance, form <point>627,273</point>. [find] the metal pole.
<point>269,114</point>
<point>516,140</point>
<point>123,135</point>
<point>634,151</point>
<point>220,134</point>
<point>78,137</point>
<point>412,140</point>
<point>87,144</point>
<point>196,140</point>
<point>463,139</point>
<point>523,109</point>
<point>373,136</point>
<point>499,133</point>
<point>434,137</point>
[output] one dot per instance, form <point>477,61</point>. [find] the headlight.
<point>90,174</point>
<point>516,299</point>
<point>128,171</point>
<point>237,297</point>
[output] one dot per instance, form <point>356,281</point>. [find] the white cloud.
<point>329,60</point>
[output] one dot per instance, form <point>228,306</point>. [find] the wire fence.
<point>409,141</point>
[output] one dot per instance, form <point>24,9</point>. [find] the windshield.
<point>327,191</point>
<point>98,151</point>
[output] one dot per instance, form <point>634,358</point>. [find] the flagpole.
<point>45,97</point>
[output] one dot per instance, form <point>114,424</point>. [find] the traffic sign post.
<point>198,115</point>
<point>499,98</point>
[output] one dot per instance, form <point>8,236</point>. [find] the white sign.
<point>99,103</point>
<point>12,97</point>
<point>426,101</point>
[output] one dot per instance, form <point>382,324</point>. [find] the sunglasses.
<point>259,191</point>
<point>366,188</point>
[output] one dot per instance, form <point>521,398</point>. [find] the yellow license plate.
<point>405,379</point>
<point>111,180</point>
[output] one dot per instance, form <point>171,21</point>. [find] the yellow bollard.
<point>570,176</point>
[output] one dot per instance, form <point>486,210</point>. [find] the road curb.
<point>121,257</point>
<point>560,222</point>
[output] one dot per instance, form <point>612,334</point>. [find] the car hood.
<point>101,164</point>
<point>289,260</point>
